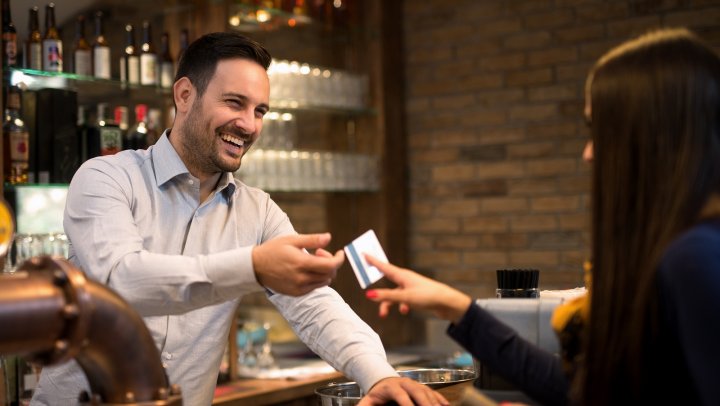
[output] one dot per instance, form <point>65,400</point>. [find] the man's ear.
<point>184,94</point>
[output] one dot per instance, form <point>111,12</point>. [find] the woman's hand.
<point>415,290</point>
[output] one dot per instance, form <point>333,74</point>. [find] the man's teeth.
<point>232,139</point>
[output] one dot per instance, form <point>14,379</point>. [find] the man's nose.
<point>246,122</point>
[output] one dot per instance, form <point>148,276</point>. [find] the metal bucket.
<point>349,394</point>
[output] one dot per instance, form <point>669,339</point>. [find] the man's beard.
<point>201,150</point>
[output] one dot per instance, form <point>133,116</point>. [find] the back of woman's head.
<point>655,104</point>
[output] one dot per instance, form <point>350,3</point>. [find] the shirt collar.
<point>168,165</point>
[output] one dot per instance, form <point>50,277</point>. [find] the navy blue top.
<point>686,369</point>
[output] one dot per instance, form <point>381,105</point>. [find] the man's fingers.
<point>311,241</point>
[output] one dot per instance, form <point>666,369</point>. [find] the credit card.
<point>367,243</point>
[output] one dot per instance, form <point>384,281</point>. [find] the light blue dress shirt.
<point>135,223</point>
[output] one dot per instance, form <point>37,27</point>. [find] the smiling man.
<point>172,231</point>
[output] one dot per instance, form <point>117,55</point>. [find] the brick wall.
<point>495,129</point>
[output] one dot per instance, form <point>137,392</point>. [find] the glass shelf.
<point>250,18</point>
<point>88,86</point>
<point>310,171</point>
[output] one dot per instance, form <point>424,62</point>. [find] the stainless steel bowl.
<point>349,394</point>
<point>439,377</point>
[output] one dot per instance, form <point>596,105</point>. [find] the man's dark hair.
<point>200,59</point>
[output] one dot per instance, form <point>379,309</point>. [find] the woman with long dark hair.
<point>649,328</point>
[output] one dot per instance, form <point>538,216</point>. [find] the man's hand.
<point>404,391</point>
<point>283,266</point>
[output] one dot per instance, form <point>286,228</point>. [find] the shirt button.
<point>191,182</point>
<point>168,355</point>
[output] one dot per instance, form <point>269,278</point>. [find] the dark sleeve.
<point>536,372</point>
<point>689,278</point>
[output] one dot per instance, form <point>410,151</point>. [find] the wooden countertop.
<point>296,392</point>
<point>272,391</point>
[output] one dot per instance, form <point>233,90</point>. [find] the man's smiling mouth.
<point>238,142</point>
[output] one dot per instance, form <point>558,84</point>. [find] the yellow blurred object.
<point>7,231</point>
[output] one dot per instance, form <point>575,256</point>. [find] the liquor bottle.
<point>167,67</point>
<point>130,61</point>
<point>9,36</point>
<point>148,58</point>
<point>52,51</point>
<point>82,61</point>
<point>136,138</point>
<point>100,50</point>
<point>16,152</point>
<point>33,45</point>
<point>184,42</point>
<point>153,126</point>
<point>104,137</point>
<point>122,120</point>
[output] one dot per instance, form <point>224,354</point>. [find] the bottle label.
<point>52,55</point>
<point>110,140</point>
<point>167,74</point>
<point>101,62</point>
<point>133,74</point>
<point>83,63</point>
<point>9,41</point>
<point>34,56</point>
<point>148,69</point>
<point>19,151</point>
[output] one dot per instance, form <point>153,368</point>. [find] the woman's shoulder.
<point>694,253</point>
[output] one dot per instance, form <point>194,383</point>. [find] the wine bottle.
<point>104,137</point>
<point>148,58</point>
<point>51,44</point>
<point>16,140</point>
<point>184,42</point>
<point>82,62</point>
<point>130,61</point>
<point>9,36</point>
<point>33,46</point>
<point>167,67</point>
<point>100,50</point>
<point>137,136</point>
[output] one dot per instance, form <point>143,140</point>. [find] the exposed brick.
<point>453,173</point>
<point>553,130</point>
<point>504,205</point>
<point>454,68</point>
<point>602,11</point>
<point>435,155</point>
<point>552,19</point>
<point>533,112</point>
<point>485,258</point>
<point>462,243</point>
<point>693,18</point>
<point>417,105</point>
<point>482,188</point>
<point>526,41</point>
<point>529,77</point>
<point>624,29</point>
<point>500,134</point>
<point>575,73</point>
<point>511,240</point>
<point>453,102</point>
<point>528,6</point>
<point>506,61</point>
<point>552,56</point>
<point>498,28</point>
<point>436,258</point>
<point>422,242</point>
<point>543,260</point>
<point>532,187</point>
<point>457,208</point>
<point>435,225</point>
<point>580,221</point>
<point>557,240</point>
<point>487,46</point>
<point>555,92</point>
<point>418,209</point>
<point>641,7</point>
<point>551,167</point>
<point>484,224</point>
<point>555,203</point>
<point>435,54</point>
<point>455,138</point>
<point>575,184</point>
<point>484,153</point>
<point>582,33</point>
<point>531,149</point>
<point>502,169</point>
<point>499,97</point>
<point>534,222</point>
<point>594,50</point>
<point>481,117</point>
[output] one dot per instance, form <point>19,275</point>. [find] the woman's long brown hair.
<point>655,105</point>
